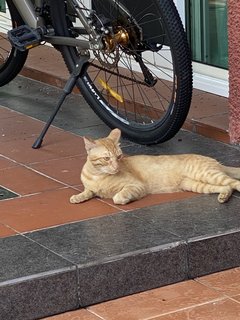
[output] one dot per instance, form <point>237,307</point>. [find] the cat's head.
<point>105,154</point>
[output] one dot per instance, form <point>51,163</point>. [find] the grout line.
<point>62,224</point>
<point>11,228</point>
<point>207,285</point>
<point>75,187</point>
<point>112,205</point>
<point>80,155</point>
<point>198,280</point>
<point>18,194</point>
<point>48,249</point>
<point>224,113</point>
<point>46,176</point>
<point>95,314</point>
<point>44,122</point>
<point>232,299</point>
<point>12,160</point>
<point>73,264</point>
<point>62,80</point>
<point>186,308</point>
<point>41,173</point>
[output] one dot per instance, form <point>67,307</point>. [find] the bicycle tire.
<point>176,110</point>
<point>11,59</point>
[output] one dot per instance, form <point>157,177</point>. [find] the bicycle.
<point>131,62</point>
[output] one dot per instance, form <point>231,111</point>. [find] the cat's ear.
<point>115,135</point>
<point>89,143</point>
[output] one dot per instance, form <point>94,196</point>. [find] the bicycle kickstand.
<point>66,91</point>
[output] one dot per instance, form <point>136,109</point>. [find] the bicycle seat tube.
<point>27,12</point>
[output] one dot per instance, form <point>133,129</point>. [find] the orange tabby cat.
<point>109,174</point>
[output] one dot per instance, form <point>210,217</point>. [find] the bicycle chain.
<point>117,74</point>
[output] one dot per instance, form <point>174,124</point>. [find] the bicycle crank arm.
<point>24,38</point>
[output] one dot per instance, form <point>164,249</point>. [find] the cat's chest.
<point>102,186</point>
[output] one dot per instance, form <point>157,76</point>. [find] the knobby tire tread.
<point>182,61</point>
<point>17,59</point>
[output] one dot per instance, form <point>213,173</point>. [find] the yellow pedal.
<point>112,92</point>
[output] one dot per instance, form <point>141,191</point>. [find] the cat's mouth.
<point>113,171</point>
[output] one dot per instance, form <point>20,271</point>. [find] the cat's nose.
<point>115,165</point>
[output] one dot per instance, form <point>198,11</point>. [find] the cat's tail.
<point>233,172</point>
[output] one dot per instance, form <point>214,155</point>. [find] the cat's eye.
<point>106,158</point>
<point>119,157</point>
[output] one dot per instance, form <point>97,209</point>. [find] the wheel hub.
<point>121,37</point>
<point>109,56</point>
<point>116,35</point>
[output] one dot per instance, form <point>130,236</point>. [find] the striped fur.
<point>109,174</point>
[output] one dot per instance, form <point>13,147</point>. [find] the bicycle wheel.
<point>11,60</point>
<point>141,81</point>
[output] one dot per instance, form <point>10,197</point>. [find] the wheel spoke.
<point>11,60</point>
<point>136,81</point>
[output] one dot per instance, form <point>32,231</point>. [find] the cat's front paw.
<point>76,198</point>
<point>81,197</point>
<point>119,199</point>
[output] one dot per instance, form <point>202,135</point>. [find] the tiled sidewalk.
<point>50,172</point>
<point>213,297</point>
<point>56,256</point>
<point>208,115</point>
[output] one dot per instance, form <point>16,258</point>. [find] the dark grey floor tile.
<point>118,255</point>
<point>38,100</point>
<point>132,274</point>
<point>103,239</point>
<point>188,142</point>
<point>39,296</point>
<point>34,281</point>
<point>6,194</point>
<point>209,255</point>
<point>98,241</point>
<point>21,257</point>
<point>198,216</point>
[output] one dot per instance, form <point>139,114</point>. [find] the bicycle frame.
<point>34,20</point>
<point>140,80</point>
<point>27,12</point>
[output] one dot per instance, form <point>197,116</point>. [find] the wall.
<point>234,70</point>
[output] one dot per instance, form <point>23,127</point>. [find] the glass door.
<point>207,31</point>
<point>2,6</point>
<point>206,26</point>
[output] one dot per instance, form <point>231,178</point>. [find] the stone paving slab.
<point>78,264</point>
<point>88,262</point>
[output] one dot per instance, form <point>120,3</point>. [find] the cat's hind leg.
<point>221,179</point>
<point>225,192</point>
<point>81,197</point>
<point>235,184</point>
<point>129,193</point>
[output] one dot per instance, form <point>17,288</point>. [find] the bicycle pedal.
<point>24,38</point>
